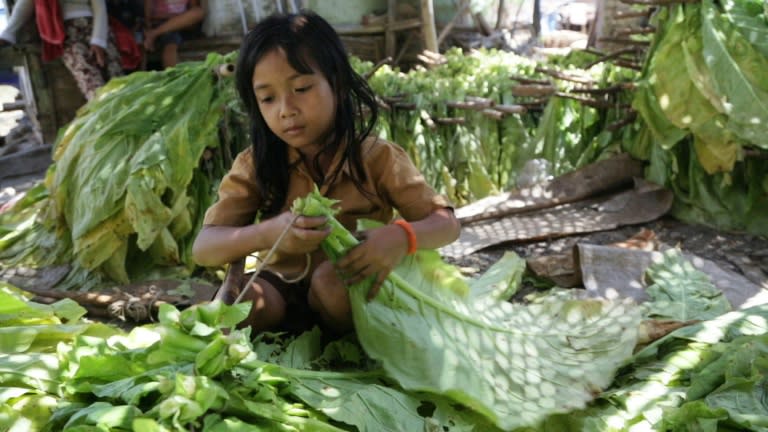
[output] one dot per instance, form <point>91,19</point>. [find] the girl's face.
<point>298,108</point>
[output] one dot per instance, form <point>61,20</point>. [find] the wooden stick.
<point>393,98</point>
<point>594,103</point>
<point>532,90</point>
<point>629,119</point>
<point>628,65</point>
<point>481,101</point>
<point>463,6</point>
<point>463,105</point>
<point>383,105</point>
<point>657,2</point>
<point>451,120</point>
<point>511,109</point>
<point>104,298</point>
<point>526,80</point>
<point>636,31</point>
<point>614,54</point>
<point>492,113</point>
<point>404,105</point>
<point>428,26</point>
<point>631,14</point>
<point>377,66</point>
<point>625,41</point>
<point>611,89</point>
<point>564,77</point>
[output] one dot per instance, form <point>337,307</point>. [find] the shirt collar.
<point>294,159</point>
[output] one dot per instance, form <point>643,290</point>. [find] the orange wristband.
<point>405,225</point>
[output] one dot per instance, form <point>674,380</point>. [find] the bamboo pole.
<point>463,7</point>
<point>428,25</point>
<point>389,32</point>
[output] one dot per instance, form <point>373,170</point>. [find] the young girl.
<point>312,117</point>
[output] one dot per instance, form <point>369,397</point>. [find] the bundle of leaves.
<point>132,176</point>
<point>466,153</point>
<point>702,99</point>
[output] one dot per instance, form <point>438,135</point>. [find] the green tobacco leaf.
<point>34,371</point>
<point>739,72</point>
<point>685,90</point>
<point>750,321</point>
<point>360,397</point>
<point>104,415</point>
<point>682,293</point>
<point>748,17</point>
<point>513,364</point>
<point>368,406</point>
<point>498,283</point>
<point>123,172</point>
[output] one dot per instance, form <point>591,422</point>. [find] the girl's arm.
<point>436,230</point>
<point>190,17</point>
<point>217,244</point>
<point>382,249</point>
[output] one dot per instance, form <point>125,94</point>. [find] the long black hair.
<point>305,38</point>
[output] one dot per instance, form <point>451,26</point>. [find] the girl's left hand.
<point>379,252</point>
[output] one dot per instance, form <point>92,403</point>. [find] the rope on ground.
<point>137,309</point>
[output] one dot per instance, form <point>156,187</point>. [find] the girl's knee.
<point>267,306</point>
<point>329,297</point>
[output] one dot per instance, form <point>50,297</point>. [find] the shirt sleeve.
<point>22,12</point>
<point>402,184</point>
<point>100,23</point>
<point>239,197</point>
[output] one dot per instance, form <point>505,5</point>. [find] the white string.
<point>266,260</point>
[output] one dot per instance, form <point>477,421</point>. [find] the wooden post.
<point>389,31</point>
<point>428,25</point>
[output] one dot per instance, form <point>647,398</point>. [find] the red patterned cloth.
<point>130,54</point>
<point>50,25</point>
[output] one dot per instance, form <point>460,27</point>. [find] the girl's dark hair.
<point>305,38</point>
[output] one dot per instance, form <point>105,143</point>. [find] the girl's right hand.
<point>305,233</point>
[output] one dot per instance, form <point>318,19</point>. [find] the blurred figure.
<point>164,20</point>
<point>75,30</point>
<point>126,19</point>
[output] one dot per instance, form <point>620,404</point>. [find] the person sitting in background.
<point>163,20</point>
<point>125,21</point>
<point>75,30</point>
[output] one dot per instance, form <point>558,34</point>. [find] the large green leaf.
<point>684,90</point>
<point>681,292</point>
<point>739,74</point>
<point>122,180</point>
<point>514,364</point>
